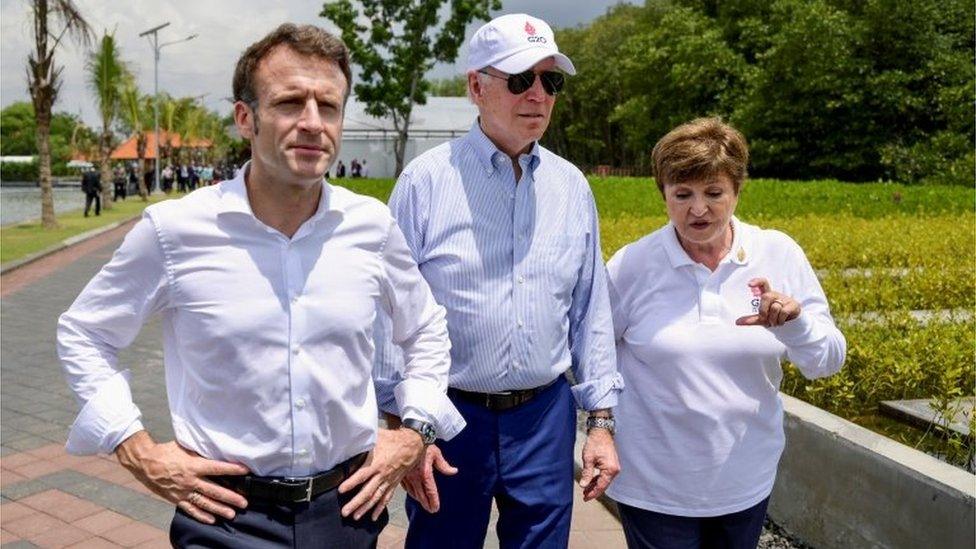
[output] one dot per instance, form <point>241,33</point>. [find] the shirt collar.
<point>487,153</point>
<point>740,253</point>
<point>234,199</point>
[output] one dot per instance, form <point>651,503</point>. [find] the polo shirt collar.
<point>233,198</point>
<point>488,154</point>
<point>739,254</point>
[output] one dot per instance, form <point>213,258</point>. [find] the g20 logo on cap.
<point>530,30</point>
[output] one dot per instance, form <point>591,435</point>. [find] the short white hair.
<point>482,79</point>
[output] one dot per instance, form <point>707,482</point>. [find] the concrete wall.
<point>840,485</point>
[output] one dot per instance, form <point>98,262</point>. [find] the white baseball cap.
<point>514,43</point>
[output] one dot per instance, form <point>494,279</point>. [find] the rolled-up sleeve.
<point>813,342</point>
<point>418,326</point>
<point>107,316</point>
<point>591,334</point>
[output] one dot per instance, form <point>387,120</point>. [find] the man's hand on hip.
<point>396,452</point>
<point>600,463</point>
<point>180,476</point>
<point>419,482</point>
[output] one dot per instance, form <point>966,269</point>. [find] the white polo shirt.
<point>700,426</point>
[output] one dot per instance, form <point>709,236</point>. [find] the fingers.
<point>589,471</point>
<point>209,506</point>
<point>760,283</point>
<point>416,490</point>
<point>368,497</point>
<point>750,320</point>
<point>197,513</point>
<point>430,492</point>
<point>441,464</point>
<point>212,468</point>
<point>356,479</point>
<point>220,494</point>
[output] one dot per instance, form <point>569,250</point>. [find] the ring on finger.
<point>194,498</point>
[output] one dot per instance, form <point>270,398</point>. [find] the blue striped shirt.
<point>517,266</point>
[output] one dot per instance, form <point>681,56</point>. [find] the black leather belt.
<point>499,402</point>
<point>292,489</point>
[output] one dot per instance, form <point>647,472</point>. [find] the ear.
<point>475,90</point>
<point>244,119</point>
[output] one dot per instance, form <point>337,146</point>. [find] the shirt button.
<point>520,323</point>
<point>303,452</point>
<point>294,298</point>
<point>521,279</point>
<point>295,351</point>
<point>300,403</point>
<point>516,364</point>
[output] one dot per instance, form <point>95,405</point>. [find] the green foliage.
<point>18,130</point>
<point>106,75</point>
<point>865,90</point>
<point>456,86</point>
<point>402,42</point>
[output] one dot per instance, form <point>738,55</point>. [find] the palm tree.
<point>44,82</point>
<point>136,114</point>
<point>106,77</point>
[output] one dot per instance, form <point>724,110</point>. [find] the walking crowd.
<point>474,311</point>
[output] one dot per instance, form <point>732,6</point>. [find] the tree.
<point>450,87</point>
<point>107,75</point>
<point>136,115</point>
<point>44,82</point>
<point>398,48</point>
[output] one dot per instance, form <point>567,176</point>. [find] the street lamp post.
<point>153,35</point>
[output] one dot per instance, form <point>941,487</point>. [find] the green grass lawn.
<point>22,239</point>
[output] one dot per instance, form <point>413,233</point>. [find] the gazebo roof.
<point>128,149</point>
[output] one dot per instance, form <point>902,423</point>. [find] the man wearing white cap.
<point>506,234</point>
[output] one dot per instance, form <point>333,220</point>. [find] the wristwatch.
<point>424,429</point>
<point>608,423</point>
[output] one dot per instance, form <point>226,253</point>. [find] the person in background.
<point>118,183</point>
<point>91,185</point>
<point>363,170</point>
<point>340,170</point>
<point>167,178</point>
<point>354,169</point>
<point>705,309</point>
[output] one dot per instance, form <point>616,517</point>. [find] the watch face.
<point>428,433</point>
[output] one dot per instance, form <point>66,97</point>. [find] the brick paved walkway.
<point>51,499</point>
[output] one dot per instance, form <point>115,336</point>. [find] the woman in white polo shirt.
<point>705,309</point>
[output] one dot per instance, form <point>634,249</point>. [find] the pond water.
<point>19,204</point>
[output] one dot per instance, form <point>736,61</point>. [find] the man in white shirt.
<point>268,285</point>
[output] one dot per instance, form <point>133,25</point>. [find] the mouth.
<point>308,149</point>
<point>532,116</point>
<point>699,225</point>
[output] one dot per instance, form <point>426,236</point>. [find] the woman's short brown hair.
<point>304,39</point>
<point>699,150</point>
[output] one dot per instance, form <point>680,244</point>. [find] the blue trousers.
<point>272,526</point>
<point>649,530</point>
<point>523,459</point>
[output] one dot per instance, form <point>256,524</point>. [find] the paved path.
<point>51,499</point>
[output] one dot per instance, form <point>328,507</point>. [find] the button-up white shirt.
<point>700,427</point>
<point>267,340</point>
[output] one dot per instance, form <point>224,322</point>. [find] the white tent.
<point>364,136</point>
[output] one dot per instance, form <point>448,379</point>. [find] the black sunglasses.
<point>552,81</point>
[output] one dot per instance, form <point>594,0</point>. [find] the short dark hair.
<point>700,149</point>
<point>304,39</point>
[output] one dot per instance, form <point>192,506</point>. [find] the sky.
<point>201,67</point>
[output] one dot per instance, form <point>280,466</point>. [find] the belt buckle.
<point>489,396</point>
<point>289,481</point>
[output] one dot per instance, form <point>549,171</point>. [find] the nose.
<point>536,92</point>
<point>310,120</point>
<point>698,206</point>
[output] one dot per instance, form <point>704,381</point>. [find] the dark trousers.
<point>523,459</point>
<point>97,198</point>
<point>649,530</point>
<point>271,526</point>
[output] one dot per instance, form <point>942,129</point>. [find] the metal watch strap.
<point>424,429</point>
<point>607,423</point>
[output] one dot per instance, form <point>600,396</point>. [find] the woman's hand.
<point>775,309</point>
